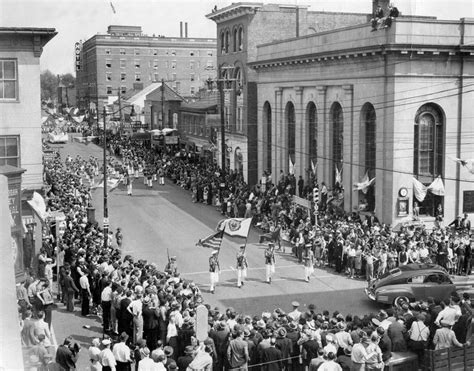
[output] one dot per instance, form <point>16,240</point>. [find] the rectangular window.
<point>192,77</point>
<point>155,51</point>
<point>173,64</point>
<point>174,77</point>
<point>10,150</point>
<point>107,51</point>
<point>191,65</point>
<point>8,80</point>
<point>122,51</point>
<point>178,86</point>
<point>123,76</point>
<point>173,52</point>
<point>108,63</point>
<point>123,63</point>
<point>108,76</point>
<point>155,64</point>
<point>210,64</point>
<point>137,51</point>
<point>155,76</point>
<point>137,63</point>
<point>193,89</point>
<point>123,90</point>
<point>138,77</point>
<point>109,90</point>
<point>191,53</point>
<point>209,53</point>
<point>468,202</point>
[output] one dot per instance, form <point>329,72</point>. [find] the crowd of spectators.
<point>149,315</point>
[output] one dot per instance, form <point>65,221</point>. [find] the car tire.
<point>399,300</point>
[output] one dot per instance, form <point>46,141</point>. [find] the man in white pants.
<point>129,183</point>
<point>214,269</point>
<point>308,264</point>
<point>242,265</point>
<point>270,262</point>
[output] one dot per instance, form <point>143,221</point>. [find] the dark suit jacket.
<point>273,356</point>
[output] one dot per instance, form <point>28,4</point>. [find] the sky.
<point>76,20</point>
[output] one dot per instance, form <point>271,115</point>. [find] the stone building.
<point>395,104</point>
<point>241,28</point>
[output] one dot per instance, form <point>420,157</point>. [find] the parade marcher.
<point>172,267</point>
<point>269,262</point>
<point>308,264</point>
<point>119,237</point>
<point>214,269</point>
<point>128,180</point>
<point>242,266</point>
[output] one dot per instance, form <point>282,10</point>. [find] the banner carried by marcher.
<point>212,241</point>
<point>235,227</point>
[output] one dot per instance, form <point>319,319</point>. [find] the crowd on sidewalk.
<point>149,314</point>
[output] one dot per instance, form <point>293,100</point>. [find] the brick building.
<point>395,104</point>
<point>241,28</point>
<point>124,58</point>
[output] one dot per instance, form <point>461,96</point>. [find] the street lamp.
<point>106,207</point>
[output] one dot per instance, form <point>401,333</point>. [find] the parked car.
<point>58,137</point>
<point>415,282</point>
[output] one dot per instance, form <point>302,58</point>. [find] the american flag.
<point>213,241</point>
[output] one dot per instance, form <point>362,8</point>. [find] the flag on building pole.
<point>235,227</point>
<point>113,8</point>
<point>314,167</point>
<point>291,166</point>
<point>468,164</point>
<point>212,241</point>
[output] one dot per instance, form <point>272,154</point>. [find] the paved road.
<point>163,219</point>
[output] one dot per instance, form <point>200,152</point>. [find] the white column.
<point>301,137</point>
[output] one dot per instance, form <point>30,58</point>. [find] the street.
<point>163,220</point>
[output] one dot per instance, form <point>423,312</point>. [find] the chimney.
<point>186,30</point>
<point>181,29</point>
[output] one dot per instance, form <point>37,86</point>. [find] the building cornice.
<point>233,11</point>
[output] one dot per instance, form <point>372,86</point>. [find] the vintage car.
<point>58,137</point>
<point>414,282</point>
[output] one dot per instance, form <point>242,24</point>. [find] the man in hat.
<point>295,314</point>
<point>119,237</point>
<point>172,267</point>
<point>184,361</point>
<point>270,262</point>
<point>107,358</point>
<point>122,354</point>
<point>214,269</point>
<point>242,266</point>
<point>285,345</point>
<point>238,352</point>
<point>272,357</point>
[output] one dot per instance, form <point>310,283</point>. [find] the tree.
<point>49,85</point>
<point>67,80</point>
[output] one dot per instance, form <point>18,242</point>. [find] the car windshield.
<point>392,272</point>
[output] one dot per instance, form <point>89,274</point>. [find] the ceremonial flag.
<point>111,183</point>
<point>213,241</point>
<point>113,8</point>
<point>235,227</point>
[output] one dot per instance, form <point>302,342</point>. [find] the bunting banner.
<point>364,184</point>
<point>419,190</point>
<point>314,167</point>
<point>437,187</point>
<point>338,176</point>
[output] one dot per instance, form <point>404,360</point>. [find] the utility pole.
<point>121,113</point>
<point>162,104</point>
<point>220,86</point>
<point>106,208</point>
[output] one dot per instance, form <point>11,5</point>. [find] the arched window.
<point>241,38</point>
<point>222,42</point>
<point>368,151</point>
<point>337,120</point>
<point>428,156</point>
<point>291,122</point>
<point>267,137</point>
<point>311,120</point>
<point>234,40</point>
<point>227,41</point>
